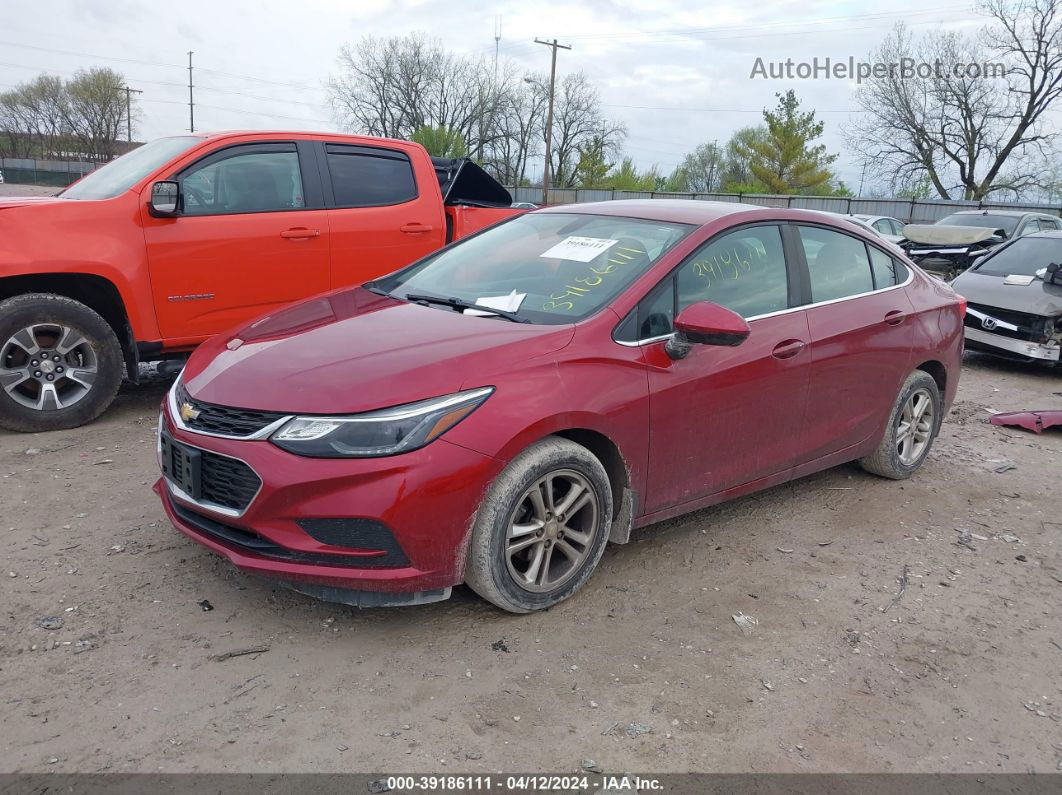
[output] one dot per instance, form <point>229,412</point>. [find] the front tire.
<point>913,425</point>
<point>60,363</point>
<point>542,527</point>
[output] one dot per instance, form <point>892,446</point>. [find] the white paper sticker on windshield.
<point>506,303</point>
<point>1020,279</point>
<point>579,249</point>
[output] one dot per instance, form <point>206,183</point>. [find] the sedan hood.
<point>1037,298</point>
<point>944,235</point>
<point>354,351</point>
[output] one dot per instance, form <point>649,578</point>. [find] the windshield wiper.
<point>457,303</point>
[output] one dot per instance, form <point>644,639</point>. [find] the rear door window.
<point>365,176</point>
<point>838,264</point>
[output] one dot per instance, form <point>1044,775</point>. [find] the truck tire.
<point>60,363</point>
<point>913,425</point>
<point>551,504</point>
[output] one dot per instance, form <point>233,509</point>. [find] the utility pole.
<point>549,116</point>
<point>129,111</point>
<point>861,178</point>
<point>191,102</point>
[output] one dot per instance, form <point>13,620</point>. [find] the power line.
<point>754,31</point>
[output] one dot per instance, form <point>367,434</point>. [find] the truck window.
<point>253,181</point>
<point>364,176</point>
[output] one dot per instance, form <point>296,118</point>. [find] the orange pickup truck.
<point>153,253</point>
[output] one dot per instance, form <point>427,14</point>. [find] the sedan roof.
<point>684,211</point>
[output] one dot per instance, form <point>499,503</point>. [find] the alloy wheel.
<point>914,428</point>
<point>47,366</point>
<point>552,530</point>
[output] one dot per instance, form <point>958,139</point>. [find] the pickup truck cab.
<point>153,253</point>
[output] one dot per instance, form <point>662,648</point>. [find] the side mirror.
<point>1054,274</point>
<point>705,323</point>
<point>165,199</point>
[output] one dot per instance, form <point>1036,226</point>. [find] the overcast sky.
<point>676,71</point>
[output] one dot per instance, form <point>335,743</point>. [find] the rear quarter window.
<point>368,177</point>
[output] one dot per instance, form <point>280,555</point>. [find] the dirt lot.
<point>8,189</point>
<point>845,671</point>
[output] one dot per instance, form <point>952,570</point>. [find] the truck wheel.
<point>913,425</point>
<point>541,528</point>
<point>60,363</point>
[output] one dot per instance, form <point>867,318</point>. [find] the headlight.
<point>378,433</point>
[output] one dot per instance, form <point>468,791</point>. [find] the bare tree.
<point>393,87</point>
<point>577,120</point>
<point>95,112</point>
<point>82,117</point>
<point>972,130</point>
<point>33,118</point>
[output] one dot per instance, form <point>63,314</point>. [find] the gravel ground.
<point>8,189</point>
<point>882,644</point>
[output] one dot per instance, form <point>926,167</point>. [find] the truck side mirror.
<point>165,199</point>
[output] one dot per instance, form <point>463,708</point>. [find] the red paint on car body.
<point>811,387</point>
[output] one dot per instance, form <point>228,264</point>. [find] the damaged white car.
<point>953,244</point>
<point>1014,296</point>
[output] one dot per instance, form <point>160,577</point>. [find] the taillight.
<point>962,306</point>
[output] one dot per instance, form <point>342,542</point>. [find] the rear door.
<point>382,214</point>
<point>861,338</point>
<point>252,235</point>
<point>722,417</point>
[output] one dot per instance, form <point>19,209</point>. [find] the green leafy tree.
<point>591,170</point>
<point>737,176</point>
<point>440,141</point>
<point>788,160</point>
<point>627,177</point>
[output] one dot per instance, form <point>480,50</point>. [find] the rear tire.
<point>913,425</point>
<point>60,363</point>
<point>553,504</point>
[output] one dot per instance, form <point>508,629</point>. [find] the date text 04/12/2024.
<point>520,783</point>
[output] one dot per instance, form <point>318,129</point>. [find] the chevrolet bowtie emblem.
<point>189,412</point>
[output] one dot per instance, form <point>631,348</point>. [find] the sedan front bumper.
<point>341,529</point>
<point>1032,350</point>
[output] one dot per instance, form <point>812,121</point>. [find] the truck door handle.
<point>299,233</point>
<point>414,229</point>
<point>895,317</point>
<point>787,349</point>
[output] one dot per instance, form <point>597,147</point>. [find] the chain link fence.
<point>55,173</point>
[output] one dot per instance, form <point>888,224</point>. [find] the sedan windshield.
<point>120,175</point>
<point>1024,257</point>
<point>1007,223</point>
<point>541,267</point>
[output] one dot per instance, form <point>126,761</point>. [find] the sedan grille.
<point>223,420</point>
<point>1031,328</point>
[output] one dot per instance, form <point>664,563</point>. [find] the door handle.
<point>414,229</point>
<point>895,317</point>
<point>299,233</point>
<point>787,349</point>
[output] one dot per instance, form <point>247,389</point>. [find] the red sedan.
<point>497,412</point>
